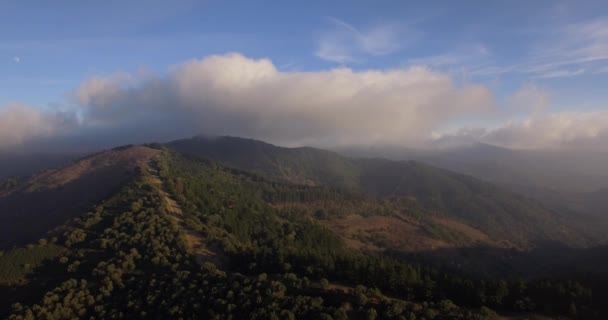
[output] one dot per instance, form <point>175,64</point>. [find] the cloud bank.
<point>235,95</point>
<point>232,94</point>
<point>564,130</point>
<point>21,123</point>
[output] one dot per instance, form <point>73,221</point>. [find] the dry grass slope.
<point>47,200</point>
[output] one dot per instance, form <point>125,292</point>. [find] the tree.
<point>372,314</point>
<point>324,283</point>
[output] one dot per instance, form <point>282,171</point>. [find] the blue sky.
<point>556,51</point>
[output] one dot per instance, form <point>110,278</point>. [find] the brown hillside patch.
<point>473,234</point>
<point>51,198</point>
<point>383,232</point>
<point>362,226</point>
<point>118,161</point>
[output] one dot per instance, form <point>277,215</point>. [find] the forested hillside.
<point>193,238</point>
<point>504,216</point>
<point>298,165</point>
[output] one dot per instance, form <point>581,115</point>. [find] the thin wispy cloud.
<point>557,51</point>
<point>16,59</point>
<point>461,61</point>
<point>562,73</point>
<point>570,50</point>
<point>344,43</point>
<point>601,70</point>
<point>463,56</point>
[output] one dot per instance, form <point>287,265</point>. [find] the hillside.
<point>564,180</point>
<point>502,215</point>
<point>559,170</point>
<point>184,237</point>
<point>134,257</point>
<point>308,166</point>
<point>31,207</point>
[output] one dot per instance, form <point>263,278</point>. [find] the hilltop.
<point>32,206</point>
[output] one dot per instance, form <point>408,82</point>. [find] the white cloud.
<point>20,123</point>
<point>17,59</point>
<point>530,98</point>
<point>344,43</point>
<point>574,130</point>
<point>232,94</point>
<point>235,95</point>
<point>106,87</point>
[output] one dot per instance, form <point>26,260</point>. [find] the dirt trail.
<point>195,241</point>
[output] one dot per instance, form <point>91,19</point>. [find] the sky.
<point>518,74</point>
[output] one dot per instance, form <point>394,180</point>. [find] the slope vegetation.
<point>31,207</point>
<point>283,258</point>
<point>505,217</point>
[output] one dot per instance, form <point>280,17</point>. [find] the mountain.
<point>298,165</point>
<point>563,180</point>
<point>595,202</point>
<point>501,214</point>
<point>30,207</point>
<point>559,170</point>
<point>231,228</point>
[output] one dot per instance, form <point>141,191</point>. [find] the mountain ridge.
<point>480,204</point>
<point>298,229</point>
<point>55,195</point>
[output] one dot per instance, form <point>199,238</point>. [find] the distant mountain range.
<point>498,212</point>
<point>560,170</point>
<point>560,179</point>
<point>504,216</point>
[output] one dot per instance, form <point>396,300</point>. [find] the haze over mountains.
<point>437,189</point>
<point>559,169</point>
<point>526,200</point>
<point>574,179</point>
<point>233,199</point>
